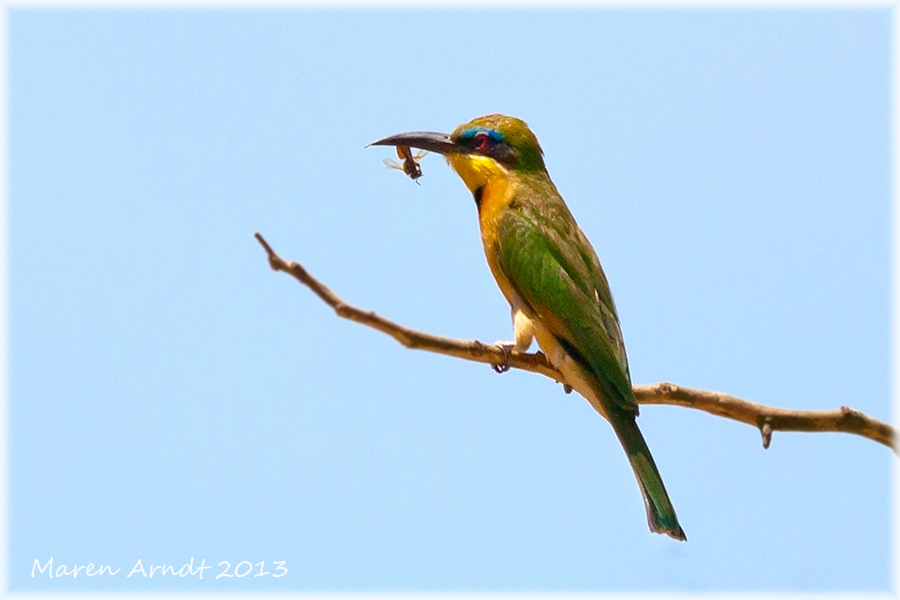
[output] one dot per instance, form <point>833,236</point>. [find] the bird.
<point>550,274</point>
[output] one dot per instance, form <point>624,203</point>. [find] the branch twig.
<point>765,418</point>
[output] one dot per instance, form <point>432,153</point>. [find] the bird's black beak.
<point>424,140</point>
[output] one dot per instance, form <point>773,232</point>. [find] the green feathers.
<point>552,266</point>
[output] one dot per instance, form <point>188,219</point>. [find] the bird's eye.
<point>483,141</point>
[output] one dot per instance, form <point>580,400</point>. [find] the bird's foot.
<point>506,348</point>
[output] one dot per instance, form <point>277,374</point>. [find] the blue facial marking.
<point>470,133</point>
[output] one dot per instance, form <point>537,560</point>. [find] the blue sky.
<point>170,397</point>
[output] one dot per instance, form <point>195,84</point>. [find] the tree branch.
<point>765,418</point>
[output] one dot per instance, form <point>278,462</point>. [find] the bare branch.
<point>765,418</point>
<point>469,350</point>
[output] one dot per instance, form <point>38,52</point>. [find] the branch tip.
<point>263,243</point>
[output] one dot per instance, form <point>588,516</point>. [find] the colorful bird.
<point>551,276</point>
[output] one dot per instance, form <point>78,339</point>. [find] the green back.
<point>553,266</point>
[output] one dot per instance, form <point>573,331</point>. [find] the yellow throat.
<point>497,191</point>
<point>493,180</point>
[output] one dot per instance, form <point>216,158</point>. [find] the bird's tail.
<point>660,512</point>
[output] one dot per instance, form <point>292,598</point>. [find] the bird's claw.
<point>507,358</point>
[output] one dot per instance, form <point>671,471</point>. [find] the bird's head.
<point>482,150</point>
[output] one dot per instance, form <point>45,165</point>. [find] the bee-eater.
<point>551,276</point>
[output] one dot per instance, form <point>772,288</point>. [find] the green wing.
<point>554,268</point>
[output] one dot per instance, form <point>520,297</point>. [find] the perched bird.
<point>551,276</point>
